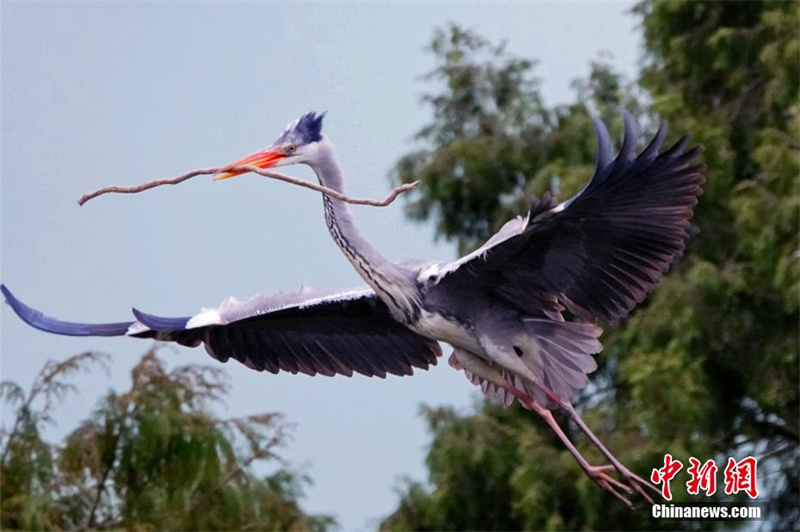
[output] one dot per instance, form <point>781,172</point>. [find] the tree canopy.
<point>155,457</point>
<point>708,366</point>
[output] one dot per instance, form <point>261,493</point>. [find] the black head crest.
<point>304,130</point>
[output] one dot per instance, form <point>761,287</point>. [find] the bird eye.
<point>292,148</point>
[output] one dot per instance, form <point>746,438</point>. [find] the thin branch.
<point>120,189</point>
<point>101,486</point>
<point>235,472</point>
<point>258,452</point>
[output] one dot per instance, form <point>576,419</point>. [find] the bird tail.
<point>36,319</point>
<point>563,356</point>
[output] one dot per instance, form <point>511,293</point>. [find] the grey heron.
<point>521,312</point>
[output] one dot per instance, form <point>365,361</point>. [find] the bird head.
<point>295,145</point>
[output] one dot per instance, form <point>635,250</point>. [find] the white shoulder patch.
<point>207,316</point>
<point>432,271</point>
<point>436,271</point>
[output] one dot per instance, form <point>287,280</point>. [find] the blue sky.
<point>101,93</point>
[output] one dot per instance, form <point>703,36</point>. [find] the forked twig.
<point>121,189</point>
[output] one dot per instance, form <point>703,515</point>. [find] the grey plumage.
<point>597,255</point>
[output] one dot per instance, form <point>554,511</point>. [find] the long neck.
<point>394,284</point>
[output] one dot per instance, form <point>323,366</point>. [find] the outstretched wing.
<point>599,253</point>
<point>309,332</point>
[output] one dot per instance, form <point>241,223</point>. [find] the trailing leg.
<point>630,478</point>
<point>596,473</point>
<point>498,383</point>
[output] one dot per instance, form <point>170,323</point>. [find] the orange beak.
<point>266,158</point>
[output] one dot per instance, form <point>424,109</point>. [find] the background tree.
<point>155,457</point>
<point>708,367</point>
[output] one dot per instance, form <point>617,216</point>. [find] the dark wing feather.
<point>602,251</point>
<point>314,333</point>
<point>331,337</point>
<point>36,319</point>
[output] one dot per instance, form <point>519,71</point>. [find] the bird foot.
<point>613,486</point>
<point>628,483</point>
<point>631,480</point>
<point>636,482</point>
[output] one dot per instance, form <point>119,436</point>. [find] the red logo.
<point>703,477</point>
<point>741,476</point>
<point>665,474</point>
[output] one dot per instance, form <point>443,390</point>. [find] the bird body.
<point>413,296</point>
<point>501,307</point>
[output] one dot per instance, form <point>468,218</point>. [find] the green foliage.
<point>485,138</point>
<point>708,366</point>
<point>154,457</point>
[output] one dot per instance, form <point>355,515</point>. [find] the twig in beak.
<point>121,189</point>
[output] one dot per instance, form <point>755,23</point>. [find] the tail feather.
<point>563,356</point>
<point>36,319</point>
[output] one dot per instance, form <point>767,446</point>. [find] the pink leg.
<point>596,473</point>
<point>630,478</point>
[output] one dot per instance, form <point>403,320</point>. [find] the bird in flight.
<point>521,312</point>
